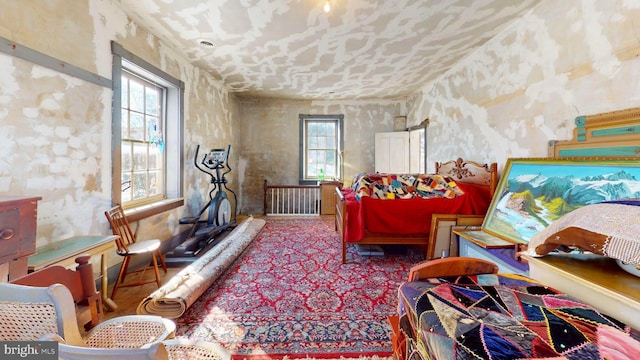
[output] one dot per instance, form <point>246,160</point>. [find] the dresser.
<point>18,220</point>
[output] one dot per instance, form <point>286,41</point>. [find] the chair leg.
<point>162,262</point>
<point>121,275</point>
<point>155,269</point>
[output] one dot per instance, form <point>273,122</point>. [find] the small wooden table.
<point>327,196</point>
<point>64,253</point>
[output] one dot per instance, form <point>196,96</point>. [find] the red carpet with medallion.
<point>290,296</point>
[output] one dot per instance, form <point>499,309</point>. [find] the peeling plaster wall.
<point>270,140</point>
<point>508,99</point>
<point>526,86</point>
<point>55,129</point>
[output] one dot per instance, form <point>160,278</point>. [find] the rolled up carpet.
<point>172,299</point>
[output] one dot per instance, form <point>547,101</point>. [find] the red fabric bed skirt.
<point>407,216</point>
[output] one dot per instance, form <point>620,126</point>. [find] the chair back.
<point>28,313</point>
<point>120,227</point>
<point>451,267</point>
<point>155,351</point>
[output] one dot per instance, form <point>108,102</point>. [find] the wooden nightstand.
<point>327,197</point>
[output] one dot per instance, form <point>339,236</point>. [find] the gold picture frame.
<point>441,241</point>
<point>534,192</point>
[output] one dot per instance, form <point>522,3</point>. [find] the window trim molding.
<point>301,142</point>
<point>173,179</point>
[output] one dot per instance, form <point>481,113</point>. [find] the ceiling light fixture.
<point>206,43</point>
<point>327,6</point>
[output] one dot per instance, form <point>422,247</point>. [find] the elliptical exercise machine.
<point>219,214</point>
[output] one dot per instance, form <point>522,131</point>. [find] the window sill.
<point>145,211</point>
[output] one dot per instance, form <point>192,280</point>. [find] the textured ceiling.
<point>292,49</point>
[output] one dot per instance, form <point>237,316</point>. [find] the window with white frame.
<point>147,132</point>
<point>321,147</point>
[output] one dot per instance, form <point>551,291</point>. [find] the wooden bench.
<point>80,282</point>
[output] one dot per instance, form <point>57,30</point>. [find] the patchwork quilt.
<point>505,317</point>
<point>405,186</point>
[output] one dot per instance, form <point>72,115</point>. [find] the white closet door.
<point>416,151</point>
<point>392,152</point>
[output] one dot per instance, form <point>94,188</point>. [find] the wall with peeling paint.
<point>270,140</point>
<point>526,86</point>
<point>55,129</point>
<point>508,99</point>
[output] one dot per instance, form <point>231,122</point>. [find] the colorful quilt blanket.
<point>405,186</point>
<point>505,317</point>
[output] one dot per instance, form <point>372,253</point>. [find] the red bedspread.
<point>407,216</point>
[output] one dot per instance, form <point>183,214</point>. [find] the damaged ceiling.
<point>292,49</point>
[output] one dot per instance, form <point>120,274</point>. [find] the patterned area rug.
<point>290,296</point>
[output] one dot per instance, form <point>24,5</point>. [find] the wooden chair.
<point>451,266</point>
<point>128,246</point>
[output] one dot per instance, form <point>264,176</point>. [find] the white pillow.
<point>614,227</point>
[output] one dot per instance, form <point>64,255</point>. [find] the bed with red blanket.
<point>458,187</point>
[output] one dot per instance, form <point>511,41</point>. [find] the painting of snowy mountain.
<point>533,193</point>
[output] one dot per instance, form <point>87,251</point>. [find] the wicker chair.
<point>182,349</point>
<point>29,313</point>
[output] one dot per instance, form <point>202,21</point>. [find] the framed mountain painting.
<point>532,193</point>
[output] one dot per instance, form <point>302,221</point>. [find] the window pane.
<point>327,129</point>
<point>311,170</point>
<point>136,95</point>
<point>152,99</point>
<point>331,158</point>
<point>331,141</point>
<point>330,172</point>
<point>312,161</point>
<point>321,157</point>
<point>136,128</point>
<point>313,129</point>
<point>127,162</point>
<point>124,97</point>
<point>155,182</point>
<point>331,165</point>
<point>126,187</point>
<point>139,156</point>
<point>155,158</point>
<point>124,124</point>
<point>152,129</point>
<point>139,185</point>
<point>313,156</point>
